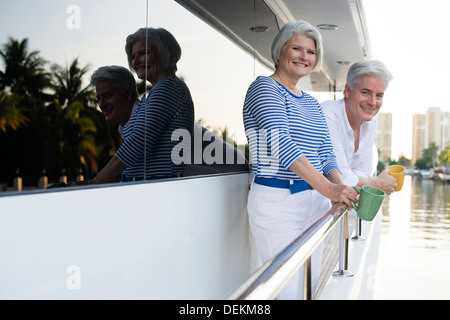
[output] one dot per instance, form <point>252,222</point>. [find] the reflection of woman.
<point>146,150</point>
<point>296,174</point>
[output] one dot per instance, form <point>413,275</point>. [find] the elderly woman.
<point>146,151</point>
<point>296,174</point>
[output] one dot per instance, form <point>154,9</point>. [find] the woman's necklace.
<point>292,88</point>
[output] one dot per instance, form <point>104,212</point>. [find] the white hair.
<point>288,31</point>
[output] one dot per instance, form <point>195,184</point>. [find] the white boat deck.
<point>363,256</point>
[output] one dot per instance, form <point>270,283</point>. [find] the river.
<point>414,256</point>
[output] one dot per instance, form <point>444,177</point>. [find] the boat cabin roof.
<point>252,25</point>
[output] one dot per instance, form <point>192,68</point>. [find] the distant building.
<point>445,129</point>
<point>418,139</point>
<point>433,126</point>
<point>383,138</point>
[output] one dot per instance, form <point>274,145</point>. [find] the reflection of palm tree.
<point>73,136</point>
<point>24,72</point>
<point>75,106</point>
<point>68,84</point>
<point>22,83</point>
<point>56,131</point>
<point>10,116</point>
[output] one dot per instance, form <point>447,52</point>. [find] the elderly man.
<point>117,98</point>
<point>352,124</point>
<point>116,93</point>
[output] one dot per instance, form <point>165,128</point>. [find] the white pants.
<point>277,218</point>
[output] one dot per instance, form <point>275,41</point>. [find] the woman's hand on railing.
<point>340,193</point>
<point>338,208</point>
<point>337,191</point>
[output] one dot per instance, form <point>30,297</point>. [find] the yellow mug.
<point>398,172</point>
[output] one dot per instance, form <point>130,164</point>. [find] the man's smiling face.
<point>364,100</point>
<point>112,102</point>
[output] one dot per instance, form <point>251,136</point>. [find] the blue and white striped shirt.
<point>147,135</point>
<point>281,127</point>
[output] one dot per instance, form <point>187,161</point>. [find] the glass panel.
<point>78,37</point>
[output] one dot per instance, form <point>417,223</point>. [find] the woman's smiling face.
<point>139,54</point>
<point>298,57</point>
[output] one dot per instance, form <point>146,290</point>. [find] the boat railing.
<point>270,278</point>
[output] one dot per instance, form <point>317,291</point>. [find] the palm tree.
<point>74,128</point>
<point>24,72</point>
<point>428,159</point>
<point>22,83</point>
<point>74,105</point>
<point>41,130</point>
<point>444,156</point>
<point>10,116</point>
<point>68,84</point>
<point>72,138</point>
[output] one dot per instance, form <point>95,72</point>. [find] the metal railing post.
<point>343,250</point>
<point>358,231</point>
<point>307,287</point>
<point>270,278</point>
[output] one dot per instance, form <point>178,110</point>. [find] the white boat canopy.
<point>252,25</point>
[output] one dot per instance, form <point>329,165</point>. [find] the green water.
<point>414,256</point>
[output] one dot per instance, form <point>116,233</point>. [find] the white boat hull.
<point>185,239</point>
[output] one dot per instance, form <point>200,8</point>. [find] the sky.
<point>409,36</point>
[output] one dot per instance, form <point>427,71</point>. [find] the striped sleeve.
<point>153,115</point>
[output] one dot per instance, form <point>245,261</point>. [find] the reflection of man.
<point>117,96</point>
<point>353,127</point>
<point>116,93</point>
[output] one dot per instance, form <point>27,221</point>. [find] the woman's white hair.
<point>165,44</point>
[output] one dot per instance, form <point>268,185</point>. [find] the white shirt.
<point>351,164</point>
